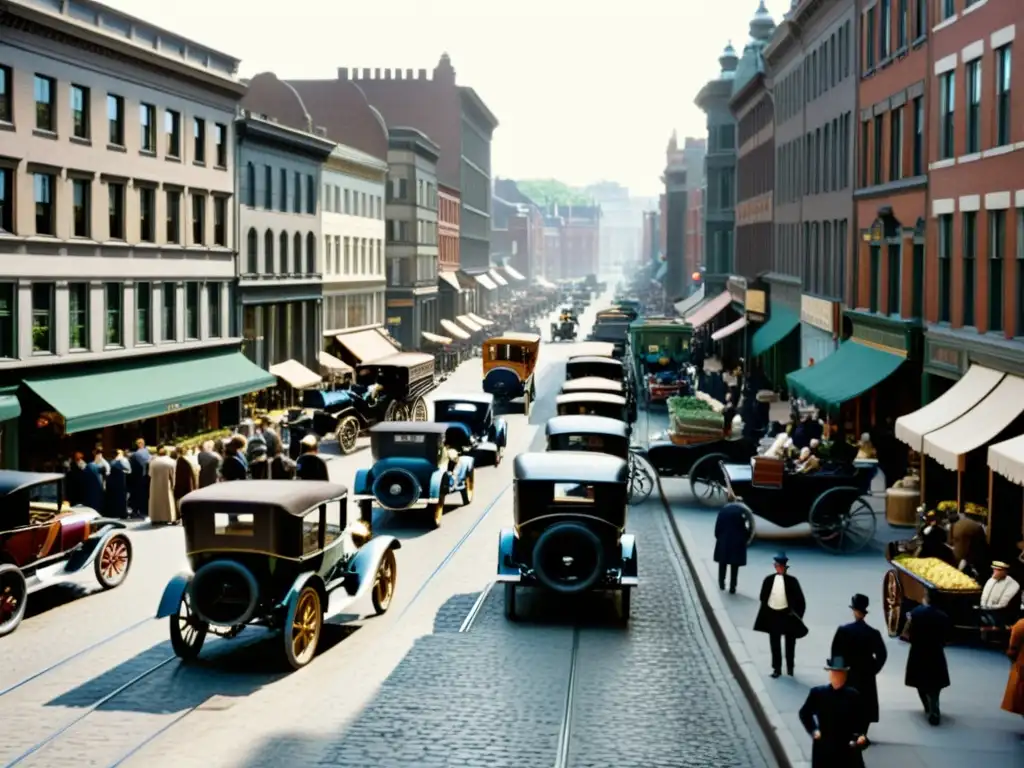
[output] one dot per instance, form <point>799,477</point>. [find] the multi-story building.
<point>411,214</point>
<point>974,295</point>
<point>620,224</point>
<point>525,229</point>
<point>117,233</point>
<point>650,249</point>
<point>456,292</point>
<point>674,276</point>
<point>694,152</point>
<point>812,63</point>
<point>278,212</point>
<point>577,251</point>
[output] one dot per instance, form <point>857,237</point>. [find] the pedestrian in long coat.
<point>865,653</point>
<point>1013,699</point>
<point>781,614</point>
<point>116,501</point>
<point>309,465</point>
<point>927,629</point>
<point>94,482</point>
<point>209,464</point>
<point>76,479</point>
<point>138,480</point>
<point>833,716</point>
<point>730,543</point>
<point>186,478</point>
<point>162,508</point>
<point>970,546</point>
<point>234,466</point>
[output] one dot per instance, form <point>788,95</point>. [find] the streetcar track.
<point>565,731</point>
<point>467,624</point>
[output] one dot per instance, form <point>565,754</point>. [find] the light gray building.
<point>117,233</point>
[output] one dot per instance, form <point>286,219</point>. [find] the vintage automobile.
<point>593,404</point>
<point>413,469</point>
<point>44,541</point>
<point>509,362</point>
<point>593,384</point>
<point>588,433</point>
<point>569,510</point>
<point>472,428</point>
<point>585,366</point>
<point>612,325</point>
<point>565,328</point>
<point>660,352</point>
<point>389,389</point>
<point>274,553</point>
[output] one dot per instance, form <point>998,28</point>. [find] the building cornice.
<point>403,137</point>
<point>751,92</point>
<point>473,100</point>
<point>258,129</point>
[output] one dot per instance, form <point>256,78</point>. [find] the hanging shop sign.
<point>818,313</point>
<point>755,302</point>
<point>394,321</point>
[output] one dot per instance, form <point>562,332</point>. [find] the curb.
<point>781,739</point>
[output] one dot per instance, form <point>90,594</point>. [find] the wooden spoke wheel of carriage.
<point>113,561</point>
<point>641,480</point>
<point>892,602</point>
<point>396,411</point>
<point>384,582</point>
<point>348,434</point>
<point>707,482</point>
<point>419,410</point>
<point>842,521</point>
<point>188,631</point>
<point>302,628</point>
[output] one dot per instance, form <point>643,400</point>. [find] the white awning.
<point>978,426</point>
<point>486,282</point>
<point>434,338</point>
<point>453,330</point>
<point>1007,458</point>
<point>973,387</point>
<point>730,329</point>
<point>709,310</point>
<point>514,274</point>
<point>473,327</point>
<point>690,302</point>
<point>367,345</point>
<point>481,321</point>
<point>296,374</point>
<point>543,282</point>
<point>330,363</point>
<point>451,279</point>
<point>497,278</point>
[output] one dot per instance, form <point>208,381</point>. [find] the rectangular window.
<point>974,106</point>
<point>918,158</point>
<point>45,194</point>
<point>865,134</point>
<point>268,187</point>
<point>869,42</point>
<point>78,316</point>
<point>8,321</point>
<point>191,311</point>
<point>114,298</point>
<point>894,256</point>
<point>147,127</point>
<point>173,216</point>
<point>896,144</point>
<point>45,89</point>
<point>282,203</point>
<point>143,313</point>
<point>79,112</point>
<point>199,140</point>
<point>6,98</point>
<point>42,317</point>
<point>115,211</point>
<point>172,129</point>
<point>348,262</point>
<point>297,196</point>
<point>996,268</point>
<point>948,8</point>
<point>198,219</point>
<point>221,138</point>
<point>81,199</point>
<point>920,18</point>
<point>970,225</point>
<point>884,28</point>
<point>348,202</point>
<point>901,24</point>
<point>220,221</point>
<point>213,301</point>
<point>1004,62</point>
<point>947,104</point>
<point>147,214</point>
<point>877,152</point>
<point>945,267</point>
<point>875,276</point>
<point>169,314</point>
<point>310,195</point>
<point>917,287</point>
<point>115,120</point>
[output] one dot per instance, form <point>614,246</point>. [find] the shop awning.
<point>154,386</point>
<point>486,282</point>
<point>10,406</point>
<point>662,271</point>
<point>513,273</point>
<point>734,327</point>
<point>366,345</point>
<point>543,282</point>
<point>453,330</point>
<point>710,310</point>
<point>497,278</point>
<point>332,364</point>
<point>848,372</point>
<point>296,374</point>
<point>782,323</point>
<point>690,302</point>
<point>1007,458</point>
<point>451,279</point>
<point>973,387</point>
<point>978,426</point>
<point>434,338</point>
<point>469,324</point>
<point>481,321</point>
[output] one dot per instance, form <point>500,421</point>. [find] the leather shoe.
<point>776,674</point>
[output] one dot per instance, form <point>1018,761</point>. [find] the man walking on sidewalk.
<point>781,614</point>
<point>864,650</point>
<point>833,715</point>
<point>730,543</point>
<point>927,630</point>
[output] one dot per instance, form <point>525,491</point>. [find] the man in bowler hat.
<point>833,715</point>
<point>730,543</point>
<point>927,629</point>
<point>862,647</point>
<point>781,614</point>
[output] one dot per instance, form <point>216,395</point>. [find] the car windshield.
<point>512,353</point>
<point>464,412</point>
<point>573,493</point>
<point>43,493</point>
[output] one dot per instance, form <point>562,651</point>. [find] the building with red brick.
<point>448,209</point>
<point>694,251</point>
<point>576,250</point>
<point>519,236</point>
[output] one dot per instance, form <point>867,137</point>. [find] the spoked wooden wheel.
<point>467,492</point>
<point>113,562</point>
<point>302,630</point>
<point>419,410</point>
<point>396,411</point>
<point>842,521</point>
<point>384,582</point>
<point>348,434</point>
<point>437,513</point>
<point>707,482</point>
<point>641,482</point>
<point>892,599</point>
<point>13,594</point>
<point>188,631</point>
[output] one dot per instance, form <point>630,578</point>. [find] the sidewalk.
<point>974,730</point>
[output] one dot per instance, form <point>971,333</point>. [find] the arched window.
<point>268,252</point>
<point>250,181</point>
<point>310,253</point>
<point>252,252</point>
<point>298,254</point>
<point>285,267</point>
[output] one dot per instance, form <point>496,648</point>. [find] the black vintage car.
<point>472,428</point>
<point>587,366</point>
<point>593,384</point>
<point>593,404</point>
<point>277,553</point>
<point>569,537</point>
<point>565,328</point>
<point>588,433</point>
<point>389,389</point>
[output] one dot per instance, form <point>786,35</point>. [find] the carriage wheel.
<point>707,483</point>
<point>842,522</point>
<point>419,410</point>
<point>749,524</point>
<point>302,628</point>
<point>892,599</point>
<point>641,481</point>
<point>396,411</point>
<point>384,583</point>
<point>13,594</point>
<point>188,631</point>
<point>348,434</point>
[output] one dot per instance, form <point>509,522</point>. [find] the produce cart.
<point>696,436</point>
<point>909,578</point>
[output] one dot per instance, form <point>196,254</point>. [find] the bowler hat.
<point>859,603</point>
<point>836,664</point>
<point>781,558</point>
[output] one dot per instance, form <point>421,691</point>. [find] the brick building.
<point>694,152</point>
<point>650,244</point>
<point>674,277</point>
<point>448,205</point>
<point>523,227</point>
<point>576,251</point>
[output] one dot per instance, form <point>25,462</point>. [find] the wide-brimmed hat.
<point>860,603</point>
<point>1000,565</point>
<point>781,558</point>
<point>836,664</point>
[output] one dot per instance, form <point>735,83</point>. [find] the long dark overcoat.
<point>927,630</point>
<point>862,647</point>
<point>782,622</point>
<point>92,487</point>
<point>839,715</point>
<point>138,480</point>
<point>731,536</point>
<point>116,501</point>
<point>310,466</point>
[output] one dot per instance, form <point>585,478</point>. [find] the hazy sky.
<point>584,90</point>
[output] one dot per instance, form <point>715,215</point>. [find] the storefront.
<point>10,410</point>
<point>819,329</point>
<point>948,355</point>
<point>775,344</point>
<point>452,296</point>
<point>410,312</point>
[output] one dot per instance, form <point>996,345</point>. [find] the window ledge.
<point>1003,149</point>
<point>113,347</point>
<point>919,41</point>
<point>117,148</point>
<point>43,133</point>
<point>974,7</point>
<point>147,152</point>
<point>84,141</point>
<point>945,23</point>
<point>220,167</point>
<point>938,165</point>
<point>968,158</point>
<point>199,163</point>
<point>867,73</point>
<point>6,126</point>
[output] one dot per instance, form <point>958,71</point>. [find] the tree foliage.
<point>552,192</point>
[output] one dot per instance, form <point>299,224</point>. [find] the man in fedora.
<point>927,630</point>
<point>781,614</point>
<point>862,647</point>
<point>833,715</point>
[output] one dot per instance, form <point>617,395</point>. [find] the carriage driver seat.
<point>768,472</point>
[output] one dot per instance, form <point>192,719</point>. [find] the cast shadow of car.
<point>56,596</point>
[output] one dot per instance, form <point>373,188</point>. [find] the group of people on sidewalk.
<point>838,715</point>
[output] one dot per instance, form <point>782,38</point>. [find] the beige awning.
<point>451,278</point>
<point>330,363</point>
<point>497,278</point>
<point>367,345</point>
<point>1007,458</point>
<point>436,338</point>
<point>972,388</point>
<point>978,426</point>
<point>485,281</point>
<point>514,273</point>
<point>473,327</point>
<point>690,302</point>
<point>481,321</point>
<point>296,374</point>
<point>710,310</point>
<point>730,329</point>
<point>453,330</point>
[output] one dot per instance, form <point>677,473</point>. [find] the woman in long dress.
<point>162,509</point>
<point>186,478</point>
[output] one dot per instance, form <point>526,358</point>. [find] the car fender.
<point>363,483</point>
<point>83,555</point>
<point>629,570</point>
<point>173,594</point>
<point>311,578</point>
<point>436,479</point>
<point>508,567</point>
<point>364,564</point>
<point>463,468</point>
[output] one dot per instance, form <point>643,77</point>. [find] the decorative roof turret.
<point>762,26</point>
<point>729,61</point>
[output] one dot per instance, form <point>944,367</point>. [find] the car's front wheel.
<point>188,631</point>
<point>302,628</point>
<point>469,488</point>
<point>113,561</point>
<point>384,582</point>
<point>13,594</point>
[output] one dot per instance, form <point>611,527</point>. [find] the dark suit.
<point>935,543</point>
<point>116,500</point>
<point>838,714</point>
<point>282,468</point>
<point>927,629</point>
<point>93,487</point>
<point>138,481</point>
<point>310,466</point>
<point>234,467</point>
<point>862,647</point>
<point>970,544</point>
<point>730,543</point>
<point>209,467</point>
<point>787,623</point>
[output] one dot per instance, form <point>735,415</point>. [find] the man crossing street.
<point>862,647</point>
